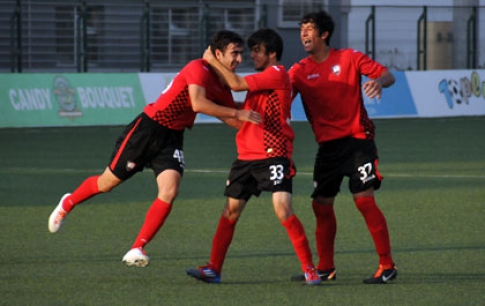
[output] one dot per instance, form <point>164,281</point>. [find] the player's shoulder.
<point>197,64</point>
<point>303,62</point>
<point>276,69</point>
<point>349,52</point>
<point>197,68</point>
<point>299,65</point>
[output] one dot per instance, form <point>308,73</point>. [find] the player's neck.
<point>321,55</point>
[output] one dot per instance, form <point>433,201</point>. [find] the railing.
<point>422,39</point>
<point>118,36</point>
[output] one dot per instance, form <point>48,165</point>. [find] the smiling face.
<point>313,42</point>
<point>260,59</point>
<point>231,57</point>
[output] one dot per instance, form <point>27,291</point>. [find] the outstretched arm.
<point>200,104</point>
<point>373,88</point>
<point>234,123</point>
<point>234,81</point>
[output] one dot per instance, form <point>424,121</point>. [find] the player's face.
<point>259,57</point>
<point>231,57</point>
<point>310,38</point>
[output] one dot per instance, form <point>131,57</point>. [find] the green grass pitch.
<point>433,196</point>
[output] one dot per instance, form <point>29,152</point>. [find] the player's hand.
<point>208,55</point>
<point>248,115</point>
<point>372,89</point>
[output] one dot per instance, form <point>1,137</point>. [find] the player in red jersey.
<point>329,83</point>
<point>155,139</point>
<point>264,154</point>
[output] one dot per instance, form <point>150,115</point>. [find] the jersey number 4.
<point>179,155</point>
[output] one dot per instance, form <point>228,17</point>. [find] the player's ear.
<point>219,54</point>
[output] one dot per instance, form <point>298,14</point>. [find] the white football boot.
<point>136,257</point>
<point>57,216</point>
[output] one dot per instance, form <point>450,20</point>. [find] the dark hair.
<point>323,22</point>
<point>223,38</point>
<point>270,39</point>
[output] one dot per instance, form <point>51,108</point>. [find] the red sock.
<point>87,189</point>
<point>325,233</point>
<point>377,225</point>
<point>221,241</point>
<point>298,238</point>
<point>154,219</point>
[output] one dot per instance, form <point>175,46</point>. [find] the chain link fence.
<point>131,36</point>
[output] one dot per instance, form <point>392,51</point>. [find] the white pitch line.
<point>93,171</point>
<point>404,175</point>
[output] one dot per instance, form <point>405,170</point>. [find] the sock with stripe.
<point>154,219</point>
<point>87,189</point>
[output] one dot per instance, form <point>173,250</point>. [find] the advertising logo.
<point>459,92</point>
<point>66,98</point>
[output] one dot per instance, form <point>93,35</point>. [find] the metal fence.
<point>122,36</point>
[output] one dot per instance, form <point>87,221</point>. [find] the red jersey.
<point>331,93</point>
<point>269,94</point>
<point>173,107</point>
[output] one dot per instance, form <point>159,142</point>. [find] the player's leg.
<point>118,170</point>
<point>211,273</point>
<point>364,179</point>
<point>296,233</point>
<point>325,234</point>
<point>242,186</point>
<point>225,231</point>
<point>88,188</point>
<point>327,179</point>
<point>377,226</point>
<point>166,158</point>
<point>168,187</point>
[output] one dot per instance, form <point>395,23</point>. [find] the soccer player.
<point>155,139</point>
<point>329,83</point>
<point>264,154</point>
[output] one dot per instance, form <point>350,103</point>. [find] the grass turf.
<point>433,197</point>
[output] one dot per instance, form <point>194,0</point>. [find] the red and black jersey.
<point>332,96</point>
<point>173,107</point>
<point>269,94</point>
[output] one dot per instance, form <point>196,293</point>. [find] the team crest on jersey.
<point>336,69</point>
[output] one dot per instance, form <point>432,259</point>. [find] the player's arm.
<point>292,73</point>
<point>234,123</point>
<point>234,81</point>
<point>373,88</point>
<point>200,104</point>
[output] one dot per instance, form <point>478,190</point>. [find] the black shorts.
<point>145,143</point>
<point>355,158</point>
<point>248,178</point>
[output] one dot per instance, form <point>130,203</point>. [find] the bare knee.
<point>107,181</point>
<point>168,183</point>
<point>233,209</point>
<point>168,195</point>
<point>282,205</point>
